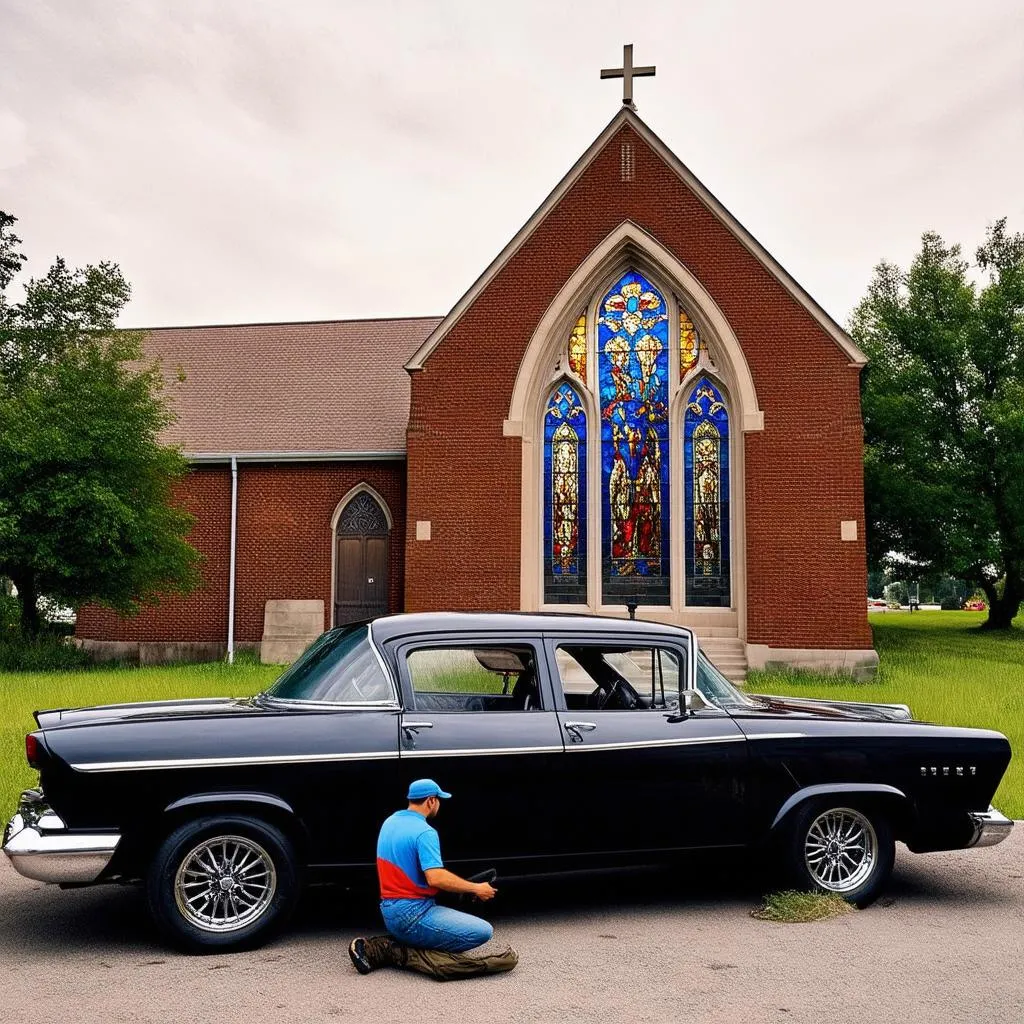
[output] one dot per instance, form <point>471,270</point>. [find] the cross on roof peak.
<point>627,73</point>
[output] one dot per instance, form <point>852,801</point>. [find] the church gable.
<point>628,174</point>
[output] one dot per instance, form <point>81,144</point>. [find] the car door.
<point>648,778</point>
<point>479,719</point>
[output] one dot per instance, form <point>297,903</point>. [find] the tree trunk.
<point>28,598</point>
<point>1003,610</point>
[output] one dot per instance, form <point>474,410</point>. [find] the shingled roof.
<point>316,388</point>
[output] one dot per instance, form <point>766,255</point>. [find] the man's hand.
<point>442,878</point>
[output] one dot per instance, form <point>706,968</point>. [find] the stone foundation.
<point>860,664</point>
<point>157,652</point>
<point>289,627</point>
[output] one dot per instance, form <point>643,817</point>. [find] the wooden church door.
<point>361,560</point>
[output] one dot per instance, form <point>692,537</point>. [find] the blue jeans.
<point>424,924</point>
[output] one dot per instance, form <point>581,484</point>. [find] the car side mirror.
<point>692,701</point>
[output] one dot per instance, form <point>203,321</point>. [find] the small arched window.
<point>565,497</point>
<point>706,491</point>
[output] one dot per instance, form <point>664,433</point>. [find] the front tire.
<point>221,884</point>
<point>836,848</point>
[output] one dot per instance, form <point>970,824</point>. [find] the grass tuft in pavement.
<point>792,907</point>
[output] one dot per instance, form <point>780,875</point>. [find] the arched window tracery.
<point>622,365</point>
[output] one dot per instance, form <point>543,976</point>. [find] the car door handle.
<point>578,728</point>
<point>413,726</point>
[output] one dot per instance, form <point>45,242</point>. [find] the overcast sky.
<point>250,160</point>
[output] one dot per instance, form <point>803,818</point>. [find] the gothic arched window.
<point>632,379</point>
<point>706,496</point>
<point>565,497</point>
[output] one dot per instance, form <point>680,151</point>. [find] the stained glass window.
<point>632,356</point>
<point>578,349</point>
<point>706,487</point>
<point>565,498</point>
<point>689,344</point>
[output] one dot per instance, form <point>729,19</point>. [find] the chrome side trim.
<point>684,741</point>
<point>776,735</point>
<point>481,751</point>
<point>222,762</point>
<point>990,827</point>
<point>57,857</point>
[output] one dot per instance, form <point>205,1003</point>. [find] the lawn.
<point>946,670</point>
<point>937,662</point>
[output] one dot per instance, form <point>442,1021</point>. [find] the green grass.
<point>793,907</point>
<point>21,693</point>
<point>946,670</point>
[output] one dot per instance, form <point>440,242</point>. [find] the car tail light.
<point>33,750</point>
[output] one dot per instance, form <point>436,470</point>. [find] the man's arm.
<point>442,878</point>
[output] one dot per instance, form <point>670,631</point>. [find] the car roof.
<point>392,626</point>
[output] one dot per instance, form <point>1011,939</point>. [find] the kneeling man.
<point>424,937</point>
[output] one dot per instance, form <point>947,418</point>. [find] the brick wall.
<point>284,548</point>
<point>803,473</point>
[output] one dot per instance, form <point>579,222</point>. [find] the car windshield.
<point>340,667</point>
<point>716,687</point>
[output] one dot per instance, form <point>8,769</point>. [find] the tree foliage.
<point>943,403</point>
<point>86,488</point>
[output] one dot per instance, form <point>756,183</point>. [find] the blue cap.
<point>422,788</point>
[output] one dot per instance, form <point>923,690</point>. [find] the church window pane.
<point>632,354</point>
<point>578,349</point>
<point>688,344</point>
<point>706,490</point>
<point>565,498</point>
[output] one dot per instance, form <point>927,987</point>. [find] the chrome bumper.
<point>990,827</point>
<point>41,847</point>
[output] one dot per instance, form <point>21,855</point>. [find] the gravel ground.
<point>943,944</point>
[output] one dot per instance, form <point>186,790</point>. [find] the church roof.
<point>329,388</point>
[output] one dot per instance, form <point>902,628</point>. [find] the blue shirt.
<point>406,848</point>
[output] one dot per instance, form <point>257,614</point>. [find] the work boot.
<point>368,954</point>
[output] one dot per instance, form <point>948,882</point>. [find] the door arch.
<point>362,533</point>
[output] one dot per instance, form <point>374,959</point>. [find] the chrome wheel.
<point>225,883</point>
<point>840,849</point>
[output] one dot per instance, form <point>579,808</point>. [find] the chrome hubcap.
<point>225,883</point>
<point>840,849</point>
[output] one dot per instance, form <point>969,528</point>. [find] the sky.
<point>260,160</point>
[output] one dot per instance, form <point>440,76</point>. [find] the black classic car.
<point>568,741</point>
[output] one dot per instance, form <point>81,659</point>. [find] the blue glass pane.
<point>632,360</point>
<point>565,498</point>
<point>706,497</point>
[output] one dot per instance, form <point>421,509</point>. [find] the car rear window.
<point>341,667</point>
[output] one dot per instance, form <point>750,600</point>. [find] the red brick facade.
<point>284,548</point>
<point>803,472</point>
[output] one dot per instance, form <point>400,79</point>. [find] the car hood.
<point>831,709</point>
<point>150,710</point>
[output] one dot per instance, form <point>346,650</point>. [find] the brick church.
<point>634,403</point>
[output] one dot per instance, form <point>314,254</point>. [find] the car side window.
<point>617,678</point>
<point>473,679</point>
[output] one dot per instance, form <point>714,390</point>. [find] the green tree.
<point>943,401</point>
<point>86,505</point>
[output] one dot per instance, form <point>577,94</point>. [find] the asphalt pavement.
<point>944,944</point>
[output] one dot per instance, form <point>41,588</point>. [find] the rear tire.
<point>222,884</point>
<point>834,847</point>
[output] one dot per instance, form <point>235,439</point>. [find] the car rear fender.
<point>266,806</point>
<point>899,808</point>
